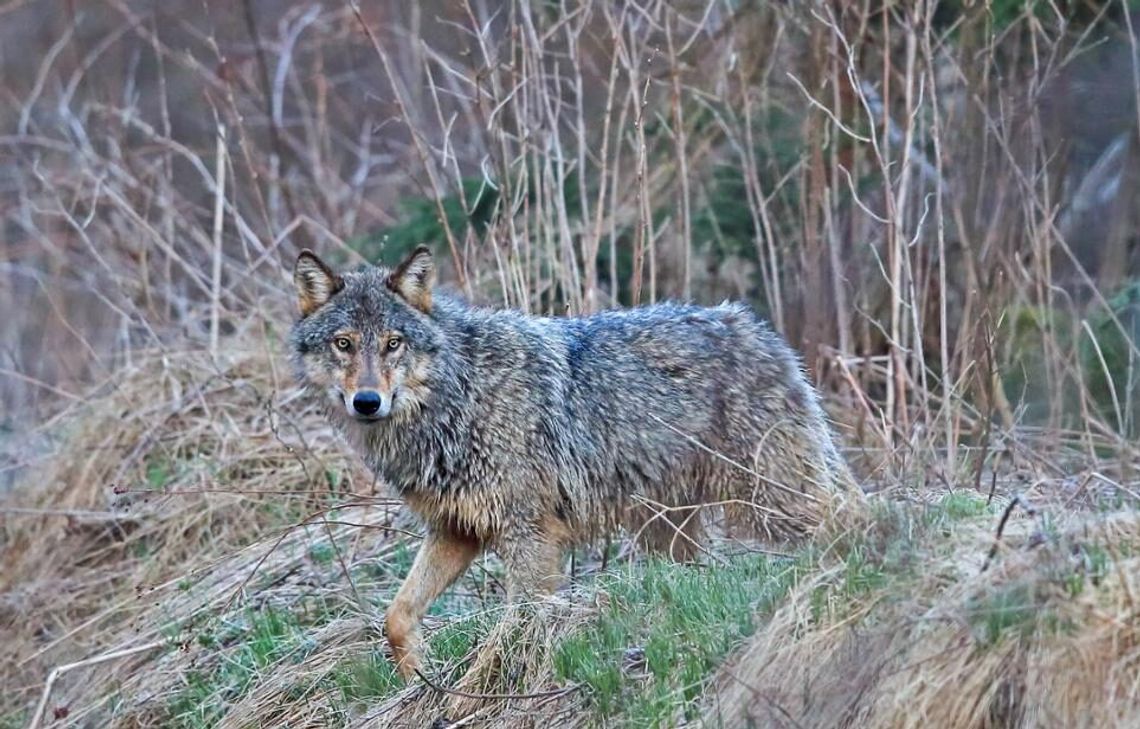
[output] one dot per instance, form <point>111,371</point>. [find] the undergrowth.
<point>640,645</point>
<point>642,657</point>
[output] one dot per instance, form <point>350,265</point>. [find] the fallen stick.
<point>60,670</point>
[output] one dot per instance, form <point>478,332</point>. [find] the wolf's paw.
<point>404,640</point>
<point>407,663</point>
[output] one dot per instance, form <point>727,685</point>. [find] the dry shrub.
<point>1046,636</point>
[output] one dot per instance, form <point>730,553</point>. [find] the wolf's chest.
<point>407,461</point>
<point>461,512</point>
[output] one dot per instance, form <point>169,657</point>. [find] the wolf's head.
<point>366,338</point>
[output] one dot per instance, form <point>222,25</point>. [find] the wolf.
<point>528,435</point>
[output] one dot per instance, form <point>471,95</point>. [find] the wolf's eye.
<point>344,344</point>
<point>394,343</point>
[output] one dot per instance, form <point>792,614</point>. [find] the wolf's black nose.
<point>366,402</point>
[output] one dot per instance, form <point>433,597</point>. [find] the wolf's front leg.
<point>442,558</point>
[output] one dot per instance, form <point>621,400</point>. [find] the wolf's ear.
<point>412,280</point>
<point>315,282</point>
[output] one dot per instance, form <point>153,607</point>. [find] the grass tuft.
<point>362,679</point>
<point>662,629</point>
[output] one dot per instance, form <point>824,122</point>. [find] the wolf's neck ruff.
<point>528,434</point>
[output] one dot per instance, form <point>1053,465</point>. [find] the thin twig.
<point>58,671</point>
<point>496,697</point>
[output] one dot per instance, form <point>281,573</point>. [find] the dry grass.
<point>898,616</point>
<point>1044,637</point>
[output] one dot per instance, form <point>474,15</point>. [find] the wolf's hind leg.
<point>442,558</point>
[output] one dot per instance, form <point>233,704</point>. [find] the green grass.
<point>393,567</point>
<point>645,659</point>
<point>252,644</point>
<point>267,636</point>
<point>1013,609</point>
<point>454,641</point>
<point>370,678</point>
<point>322,553</point>
<point>366,678</point>
<point>664,629</point>
<point>159,472</point>
<point>1094,567</point>
<point>960,505</point>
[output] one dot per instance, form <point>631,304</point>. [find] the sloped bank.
<point>1044,634</point>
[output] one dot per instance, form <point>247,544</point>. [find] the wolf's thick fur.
<point>528,434</point>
